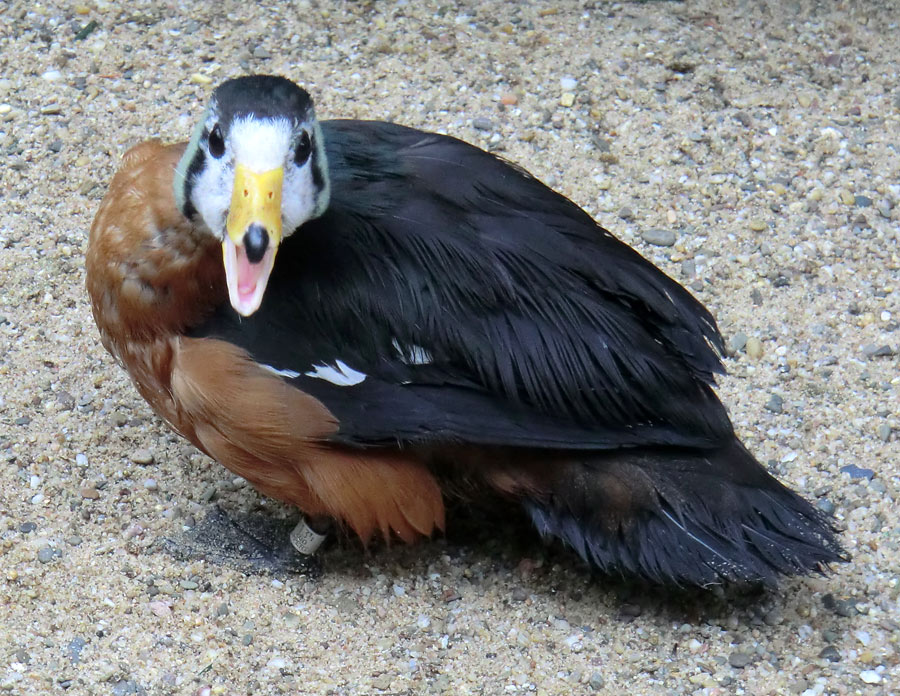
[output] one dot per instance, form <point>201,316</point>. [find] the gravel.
<point>750,137</point>
<point>659,237</point>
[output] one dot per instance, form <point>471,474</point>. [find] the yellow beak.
<point>253,235</point>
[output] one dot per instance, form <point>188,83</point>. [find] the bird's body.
<point>439,321</point>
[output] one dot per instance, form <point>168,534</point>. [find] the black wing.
<point>480,306</point>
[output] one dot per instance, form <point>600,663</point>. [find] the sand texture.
<point>749,149</point>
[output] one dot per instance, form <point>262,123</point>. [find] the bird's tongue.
<point>246,281</point>
<point>248,274</point>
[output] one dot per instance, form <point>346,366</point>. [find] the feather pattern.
<point>518,296</point>
<point>641,512</point>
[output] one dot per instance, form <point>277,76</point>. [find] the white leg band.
<point>304,539</point>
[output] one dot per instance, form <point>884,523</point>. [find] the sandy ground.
<point>760,138</point>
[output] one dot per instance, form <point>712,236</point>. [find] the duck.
<point>366,321</point>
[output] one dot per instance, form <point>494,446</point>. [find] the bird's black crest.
<point>263,96</point>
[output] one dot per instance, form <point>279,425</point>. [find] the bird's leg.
<point>309,534</point>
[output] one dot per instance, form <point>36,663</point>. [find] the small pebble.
<point>757,225</point>
<point>830,653</point>
<point>775,404</point>
<point>658,237</point>
<point>754,348</point>
<point>127,687</point>
<point>856,472</point>
<point>738,342</point>
<point>76,645</point>
<point>382,683</point>
<point>143,457</point>
<point>846,608</point>
<point>46,554</point>
<point>830,636</point>
<point>160,609</point>
<point>89,493</point>
<point>482,123</point>
<point>744,119</point>
<point>773,618</point>
<point>739,660</point>
<point>567,99</point>
<point>871,350</point>
<point>825,506</point>
<point>870,676</point>
<point>877,486</point>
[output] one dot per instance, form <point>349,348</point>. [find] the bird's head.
<point>253,172</point>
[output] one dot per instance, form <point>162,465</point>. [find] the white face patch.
<point>212,195</point>
<point>300,200</point>
<point>340,374</point>
<point>260,144</point>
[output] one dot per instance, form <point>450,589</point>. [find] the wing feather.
<point>533,316</point>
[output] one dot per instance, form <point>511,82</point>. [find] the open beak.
<point>253,234</point>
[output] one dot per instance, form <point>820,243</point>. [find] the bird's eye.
<point>216,142</point>
<point>304,147</point>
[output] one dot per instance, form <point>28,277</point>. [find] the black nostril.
<point>256,241</point>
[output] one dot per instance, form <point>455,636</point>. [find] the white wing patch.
<point>412,355</point>
<point>340,374</point>
<point>290,374</point>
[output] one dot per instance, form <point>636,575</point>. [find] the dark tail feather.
<point>685,517</point>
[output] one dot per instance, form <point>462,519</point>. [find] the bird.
<point>366,321</point>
